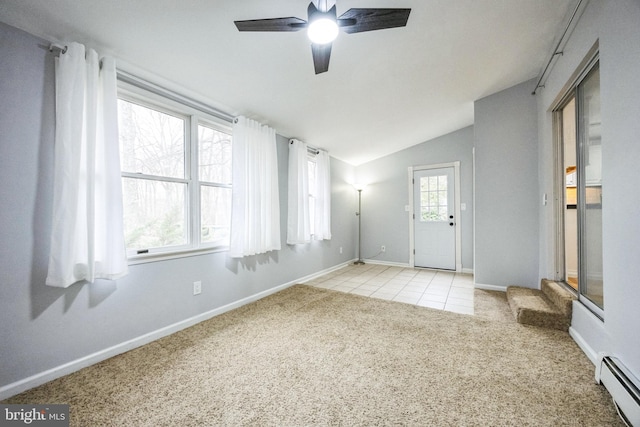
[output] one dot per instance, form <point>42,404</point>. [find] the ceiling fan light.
<point>322,31</point>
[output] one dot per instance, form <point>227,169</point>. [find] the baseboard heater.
<point>620,383</point>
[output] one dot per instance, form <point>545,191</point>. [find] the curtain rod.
<point>167,93</point>
<point>59,48</point>
<point>311,149</point>
<point>555,51</point>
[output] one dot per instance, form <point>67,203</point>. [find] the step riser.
<point>561,298</point>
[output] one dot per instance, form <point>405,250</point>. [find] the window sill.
<point>165,256</point>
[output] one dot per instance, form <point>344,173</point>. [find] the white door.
<point>433,216</point>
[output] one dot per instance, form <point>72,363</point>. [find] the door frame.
<point>456,197</point>
<point>591,60</point>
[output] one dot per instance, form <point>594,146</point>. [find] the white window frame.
<point>193,117</point>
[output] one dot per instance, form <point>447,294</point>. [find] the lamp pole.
<point>358,214</point>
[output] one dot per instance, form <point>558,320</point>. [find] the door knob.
<point>452,224</point>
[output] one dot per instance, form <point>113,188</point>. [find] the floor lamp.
<point>359,187</point>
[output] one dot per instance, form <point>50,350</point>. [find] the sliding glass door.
<point>579,184</point>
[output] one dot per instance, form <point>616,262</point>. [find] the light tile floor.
<point>440,290</point>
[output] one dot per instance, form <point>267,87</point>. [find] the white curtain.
<point>87,239</point>
<point>298,227</point>
<point>255,220</point>
<point>322,225</point>
<point>298,216</point>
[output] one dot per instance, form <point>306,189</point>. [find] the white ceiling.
<point>384,91</point>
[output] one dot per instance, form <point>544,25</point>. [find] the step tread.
<point>533,307</point>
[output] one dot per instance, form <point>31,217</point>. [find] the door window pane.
<point>433,198</point>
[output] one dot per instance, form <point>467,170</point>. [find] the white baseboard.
<point>584,346</point>
<point>325,271</point>
<point>467,271</point>
<point>490,287</point>
<point>389,263</point>
<point>75,365</point>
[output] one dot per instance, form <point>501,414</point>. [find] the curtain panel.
<point>298,222</point>
<point>255,219</point>
<point>322,225</point>
<point>87,237</point>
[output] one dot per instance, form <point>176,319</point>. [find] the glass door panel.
<point>590,188</point>
<point>570,185</point>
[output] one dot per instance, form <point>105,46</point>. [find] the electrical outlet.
<point>383,248</point>
<point>340,249</point>
<point>197,287</point>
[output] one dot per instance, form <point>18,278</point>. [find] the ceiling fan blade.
<point>359,20</point>
<point>321,54</point>
<point>273,24</point>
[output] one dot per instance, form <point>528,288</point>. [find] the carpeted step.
<point>559,295</point>
<point>549,307</point>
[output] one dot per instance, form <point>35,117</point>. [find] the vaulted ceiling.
<point>385,90</point>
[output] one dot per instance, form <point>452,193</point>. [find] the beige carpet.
<point>492,305</point>
<point>309,356</point>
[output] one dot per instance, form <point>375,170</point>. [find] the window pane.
<point>442,183</point>
<point>430,214</point>
<point>442,198</point>
<point>433,199</point>
<point>154,213</point>
<point>424,199</point>
<point>151,142</point>
<point>433,183</point>
<point>214,155</point>
<point>215,215</point>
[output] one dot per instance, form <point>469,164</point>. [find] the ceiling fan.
<point>323,26</point>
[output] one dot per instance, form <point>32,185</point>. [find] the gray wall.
<point>45,327</point>
<point>506,188</point>
<point>616,26</point>
<point>384,219</point>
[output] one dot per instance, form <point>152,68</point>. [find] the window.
<point>433,198</point>
<point>176,176</point>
